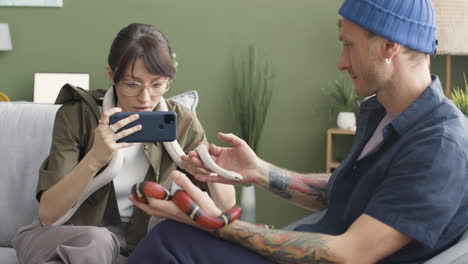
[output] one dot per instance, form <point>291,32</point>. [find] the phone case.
<point>158,126</point>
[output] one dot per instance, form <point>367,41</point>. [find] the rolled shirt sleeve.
<point>65,150</point>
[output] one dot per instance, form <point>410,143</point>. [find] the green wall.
<point>300,38</point>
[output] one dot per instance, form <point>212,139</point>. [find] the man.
<point>401,195</point>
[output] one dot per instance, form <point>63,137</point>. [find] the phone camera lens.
<point>169,119</point>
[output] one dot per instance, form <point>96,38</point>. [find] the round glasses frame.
<point>133,88</point>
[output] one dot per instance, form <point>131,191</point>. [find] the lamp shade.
<point>5,38</point>
<point>452,23</point>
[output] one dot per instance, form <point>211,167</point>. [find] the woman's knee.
<point>100,235</point>
<point>99,244</point>
<point>166,235</point>
<point>72,241</point>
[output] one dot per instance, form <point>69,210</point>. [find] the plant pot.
<point>346,121</point>
<point>248,204</point>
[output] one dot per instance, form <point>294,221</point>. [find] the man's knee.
<point>162,242</point>
<point>167,230</point>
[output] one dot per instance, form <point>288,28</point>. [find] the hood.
<point>93,98</point>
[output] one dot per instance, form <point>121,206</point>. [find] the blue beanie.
<point>410,23</point>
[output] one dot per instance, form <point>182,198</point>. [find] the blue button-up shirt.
<point>416,181</point>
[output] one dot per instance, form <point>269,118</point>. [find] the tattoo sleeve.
<point>279,245</point>
<point>297,188</point>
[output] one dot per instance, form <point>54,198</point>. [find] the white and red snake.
<point>151,189</point>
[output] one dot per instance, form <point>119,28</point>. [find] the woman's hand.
<point>105,139</point>
<point>224,195</point>
<point>240,158</point>
<point>168,209</point>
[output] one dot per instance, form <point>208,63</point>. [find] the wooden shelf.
<point>331,162</point>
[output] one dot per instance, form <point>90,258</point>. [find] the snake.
<point>142,190</point>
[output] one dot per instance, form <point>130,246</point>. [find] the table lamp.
<point>452,33</point>
<point>5,38</point>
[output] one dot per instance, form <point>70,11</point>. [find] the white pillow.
<point>188,99</point>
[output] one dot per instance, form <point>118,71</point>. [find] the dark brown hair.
<point>141,41</point>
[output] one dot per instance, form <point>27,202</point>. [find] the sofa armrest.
<point>456,254</point>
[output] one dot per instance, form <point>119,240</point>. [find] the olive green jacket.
<point>73,137</point>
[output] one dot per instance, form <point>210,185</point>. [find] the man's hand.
<point>240,158</point>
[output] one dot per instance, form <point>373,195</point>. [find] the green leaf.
<point>343,94</point>
<point>252,93</point>
<point>459,97</point>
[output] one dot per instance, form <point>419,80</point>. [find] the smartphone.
<point>158,126</point>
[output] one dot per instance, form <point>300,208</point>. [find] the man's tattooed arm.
<point>279,245</point>
<point>300,189</point>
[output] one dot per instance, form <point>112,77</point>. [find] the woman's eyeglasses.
<point>133,88</point>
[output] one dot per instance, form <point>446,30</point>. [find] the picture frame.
<point>31,3</point>
<point>47,85</point>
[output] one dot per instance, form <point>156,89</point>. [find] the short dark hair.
<point>141,41</point>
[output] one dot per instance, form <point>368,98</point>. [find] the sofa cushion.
<point>307,220</point>
<point>25,135</point>
<point>7,255</point>
<point>456,254</point>
<point>188,99</point>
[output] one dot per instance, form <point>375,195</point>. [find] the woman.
<point>141,69</point>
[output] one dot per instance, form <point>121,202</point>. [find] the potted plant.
<point>459,97</point>
<point>346,102</point>
<point>252,94</point>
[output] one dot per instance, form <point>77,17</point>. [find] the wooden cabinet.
<point>331,134</point>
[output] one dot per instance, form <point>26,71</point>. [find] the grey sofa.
<point>25,138</point>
